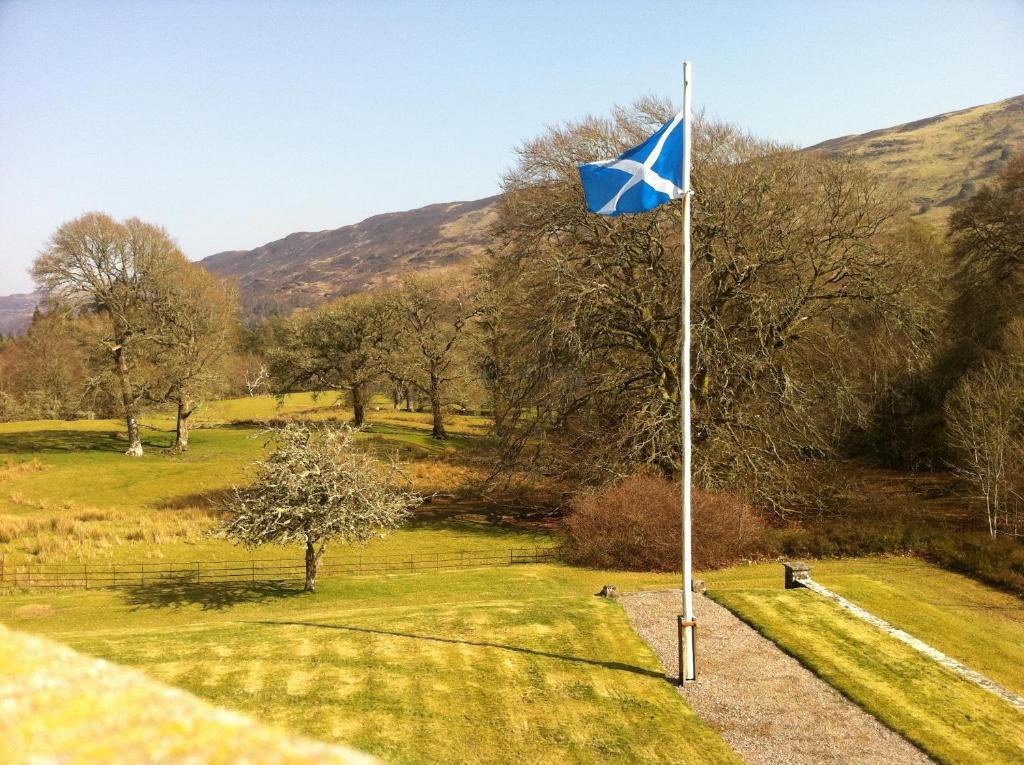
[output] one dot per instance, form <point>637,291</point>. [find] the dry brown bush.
<point>635,525</point>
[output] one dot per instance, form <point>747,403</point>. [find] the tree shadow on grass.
<point>71,441</point>
<point>615,665</point>
<point>210,596</point>
<point>482,517</point>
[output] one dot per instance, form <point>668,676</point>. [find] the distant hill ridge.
<point>937,160</point>
<point>307,268</point>
<point>16,312</point>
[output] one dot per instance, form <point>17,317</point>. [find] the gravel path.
<point>765,704</point>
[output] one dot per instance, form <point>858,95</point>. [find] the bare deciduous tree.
<point>985,427</point>
<point>434,318</point>
<point>256,379</point>
<point>316,486</point>
<point>791,251</point>
<point>198,321</point>
<point>338,346</point>
<point>114,269</point>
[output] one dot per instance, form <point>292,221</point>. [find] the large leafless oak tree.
<point>791,252</point>
<point>115,270</point>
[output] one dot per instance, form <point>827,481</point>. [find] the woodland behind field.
<point>830,330</point>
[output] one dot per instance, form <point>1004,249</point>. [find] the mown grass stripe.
<point>952,720</point>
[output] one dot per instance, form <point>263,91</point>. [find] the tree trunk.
<point>358,406</point>
<point>312,563</point>
<point>437,415</point>
<point>185,410</point>
<point>408,400</point>
<point>128,399</point>
<point>396,397</point>
<point>134,439</point>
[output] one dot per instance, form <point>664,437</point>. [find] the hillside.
<point>935,160</point>
<point>941,159</point>
<point>307,268</point>
<point>16,312</point>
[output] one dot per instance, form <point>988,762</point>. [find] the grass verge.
<point>951,719</point>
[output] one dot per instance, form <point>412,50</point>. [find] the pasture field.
<point>481,666</point>
<point>67,493</point>
<point>476,666</point>
<point>948,717</point>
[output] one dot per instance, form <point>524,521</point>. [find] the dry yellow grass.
<point>11,469</point>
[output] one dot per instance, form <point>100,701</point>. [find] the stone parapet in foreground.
<point>59,706</point>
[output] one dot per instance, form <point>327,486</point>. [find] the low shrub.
<point>635,525</point>
<point>999,562</point>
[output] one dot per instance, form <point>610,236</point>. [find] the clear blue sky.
<point>235,122</point>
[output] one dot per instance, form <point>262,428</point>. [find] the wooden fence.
<point>105,575</point>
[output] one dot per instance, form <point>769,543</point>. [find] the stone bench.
<point>797,573</point>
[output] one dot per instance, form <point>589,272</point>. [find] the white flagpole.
<point>687,624</point>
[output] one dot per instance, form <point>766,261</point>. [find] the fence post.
<point>3,561</point>
<point>510,561</point>
<point>87,576</point>
<point>197,572</point>
<point>253,571</point>
<point>113,573</point>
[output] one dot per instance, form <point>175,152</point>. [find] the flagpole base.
<point>687,643</point>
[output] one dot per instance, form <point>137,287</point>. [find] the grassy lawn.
<point>484,666</point>
<point>67,492</point>
<point>979,626</point>
<point>951,719</point>
<point>516,664</point>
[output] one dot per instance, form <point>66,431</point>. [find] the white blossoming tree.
<point>315,486</point>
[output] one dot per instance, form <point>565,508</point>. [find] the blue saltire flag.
<point>640,179</point>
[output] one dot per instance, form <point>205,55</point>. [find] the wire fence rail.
<point>108,575</point>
